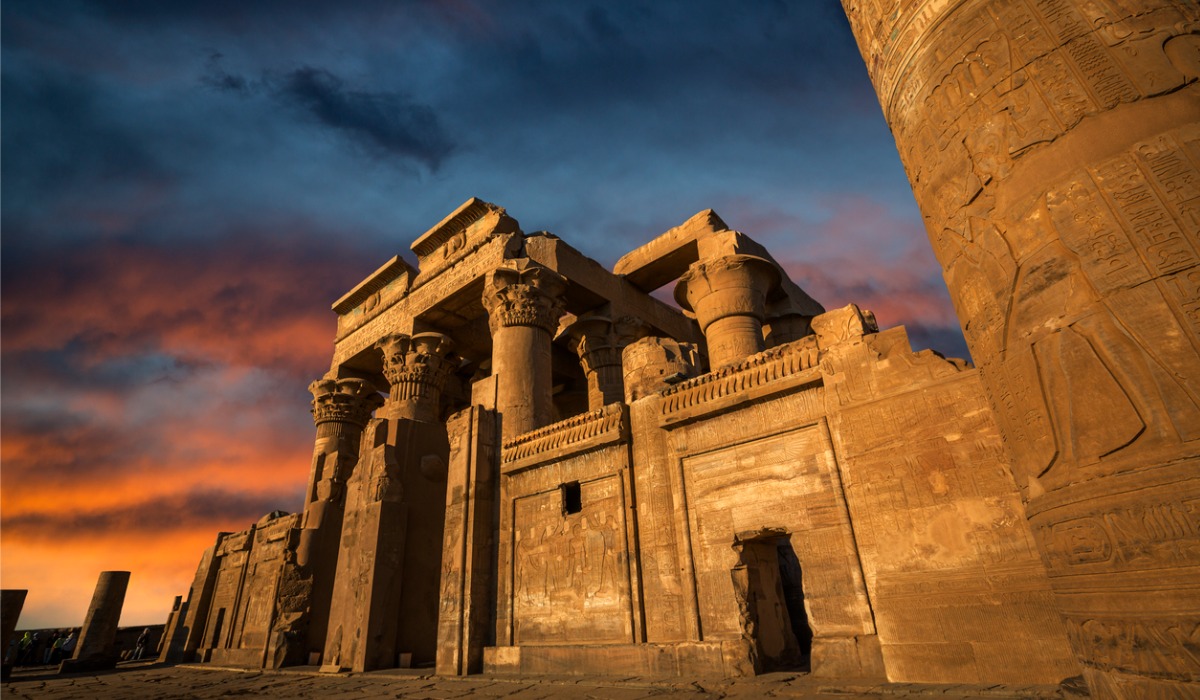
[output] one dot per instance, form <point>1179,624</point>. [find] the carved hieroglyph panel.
<point>570,577</point>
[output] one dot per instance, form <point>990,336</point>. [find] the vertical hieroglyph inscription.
<point>1054,150</point>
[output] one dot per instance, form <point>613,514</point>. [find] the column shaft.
<point>1054,151</point>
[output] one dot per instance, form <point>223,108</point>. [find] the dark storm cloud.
<point>211,508</point>
<point>386,123</point>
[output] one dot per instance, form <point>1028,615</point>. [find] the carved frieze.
<point>602,426</point>
<point>780,366</point>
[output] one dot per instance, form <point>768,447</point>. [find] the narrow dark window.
<point>572,501</point>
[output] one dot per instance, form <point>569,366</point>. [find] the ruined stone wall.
<point>959,592</point>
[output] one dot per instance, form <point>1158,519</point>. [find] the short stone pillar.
<point>652,364</point>
<point>524,305</point>
<point>416,366</point>
<point>97,648</point>
<point>599,341</point>
<point>11,602</point>
<point>728,296</point>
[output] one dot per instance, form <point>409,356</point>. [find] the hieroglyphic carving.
<point>569,581</point>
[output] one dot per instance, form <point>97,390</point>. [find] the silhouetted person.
<point>140,648</point>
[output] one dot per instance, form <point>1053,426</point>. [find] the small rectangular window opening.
<point>572,500</point>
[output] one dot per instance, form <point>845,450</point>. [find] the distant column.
<point>1054,150</point>
<point>599,341</point>
<point>524,305</point>
<point>97,648</point>
<point>11,602</point>
<point>728,295</point>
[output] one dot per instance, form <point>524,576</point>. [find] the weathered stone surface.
<point>1054,150</point>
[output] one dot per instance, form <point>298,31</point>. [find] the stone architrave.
<point>728,295</point>
<point>96,648</point>
<point>1054,151</point>
<point>11,602</point>
<point>524,304</point>
<point>599,342</point>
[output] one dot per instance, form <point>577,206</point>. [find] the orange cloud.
<point>153,397</point>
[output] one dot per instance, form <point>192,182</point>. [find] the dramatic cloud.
<point>389,123</point>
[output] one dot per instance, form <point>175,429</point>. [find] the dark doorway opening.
<point>769,584</point>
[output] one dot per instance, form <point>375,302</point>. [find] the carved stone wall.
<point>1054,151</point>
<point>565,535</point>
<point>948,557</point>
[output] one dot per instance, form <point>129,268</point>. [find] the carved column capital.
<point>344,401</point>
<point>733,285</point>
<point>524,294</point>
<point>599,340</point>
<point>728,296</point>
<point>416,366</point>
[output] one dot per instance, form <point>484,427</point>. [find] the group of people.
<point>31,650</point>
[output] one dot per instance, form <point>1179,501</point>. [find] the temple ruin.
<point>526,463</point>
<point>569,476</point>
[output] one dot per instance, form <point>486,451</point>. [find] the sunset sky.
<point>187,187</point>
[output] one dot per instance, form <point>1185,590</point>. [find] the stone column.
<point>728,296</point>
<point>1053,148</point>
<point>341,409</point>
<point>11,602</point>
<point>416,366</point>
<point>599,342</point>
<point>384,600</point>
<point>524,305</point>
<point>96,648</point>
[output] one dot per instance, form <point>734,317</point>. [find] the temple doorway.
<point>769,583</point>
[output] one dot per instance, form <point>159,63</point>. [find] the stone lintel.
<point>587,280</point>
<point>455,222</point>
<point>377,280</point>
<point>668,256</point>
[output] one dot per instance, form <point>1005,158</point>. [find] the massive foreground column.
<point>1053,147</point>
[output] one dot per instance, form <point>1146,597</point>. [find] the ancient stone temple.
<point>526,463</point>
